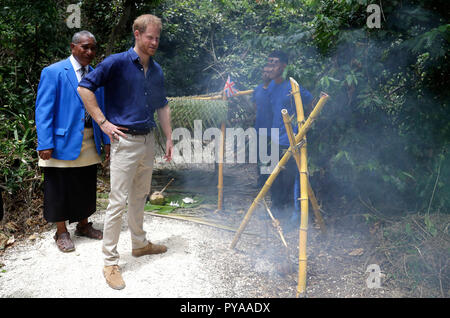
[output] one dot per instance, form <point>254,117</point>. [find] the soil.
<point>199,261</point>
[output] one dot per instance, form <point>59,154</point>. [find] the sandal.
<point>64,242</point>
<point>88,231</point>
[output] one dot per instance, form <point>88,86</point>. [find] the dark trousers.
<point>282,190</point>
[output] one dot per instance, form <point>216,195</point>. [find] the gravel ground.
<point>199,262</point>
<point>188,269</point>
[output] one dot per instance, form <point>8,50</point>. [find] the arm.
<point>91,105</point>
<point>164,119</point>
<point>45,107</point>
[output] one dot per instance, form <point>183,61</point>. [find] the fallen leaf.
<point>3,240</point>
<point>11,226</point>
<point>32,237</point>
<point>357,252</point>
<point>10,241</point>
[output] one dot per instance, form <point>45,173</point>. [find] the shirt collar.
<point>76,65</point>
<point>135,57</point>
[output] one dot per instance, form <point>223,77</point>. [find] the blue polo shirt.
<point>263,110</point>
<point>131,98</point>
<point>281,98</point>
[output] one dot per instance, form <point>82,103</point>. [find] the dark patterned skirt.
<point>69,193</point>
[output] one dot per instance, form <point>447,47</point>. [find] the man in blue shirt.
<point>263,121</point>
<point>285,191</point>
<point>134,90</point>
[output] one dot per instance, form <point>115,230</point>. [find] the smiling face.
<point>147,42</point>
<point>84,51</point>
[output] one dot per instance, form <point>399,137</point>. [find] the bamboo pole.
<point>240,93</point>
<point>220,96</point>
<point>301,160</point>
<point>298,102</point>
<point>302,258</point>
<point>221,159</point>
<point>302,132</point>
<point>300,120</point>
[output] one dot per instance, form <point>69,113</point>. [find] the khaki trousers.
<point>131,176</point>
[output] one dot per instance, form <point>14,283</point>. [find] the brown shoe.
<point>64,242</point>
<point>88,231</point>
<point>113,277</point>
<point>149,249</point>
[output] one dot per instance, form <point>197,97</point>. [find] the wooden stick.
<point>166,186</point>
<point>302,132</point>
<point>195,220</point>
<point>316,209</point>
<point>275,223</point>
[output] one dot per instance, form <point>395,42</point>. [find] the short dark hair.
<point>77,36</point>
<point>282,56</point>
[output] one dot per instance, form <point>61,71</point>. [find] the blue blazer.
<point>60,112</point>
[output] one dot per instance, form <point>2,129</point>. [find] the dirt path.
<point>199,262</point>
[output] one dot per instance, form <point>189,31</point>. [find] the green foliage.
<point>383,136</point>
<point>172,202</point>
<point>26,29</point>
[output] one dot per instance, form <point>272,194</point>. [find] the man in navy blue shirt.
<point>134,90</point>
<point>285,190</point>
<point>263,121</point>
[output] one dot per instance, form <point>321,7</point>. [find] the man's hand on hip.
<point>113,131</point>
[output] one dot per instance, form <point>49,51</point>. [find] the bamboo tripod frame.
<point>299,151</point>
<point>306,189</point>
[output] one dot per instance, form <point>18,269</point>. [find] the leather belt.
<point>136,132</point>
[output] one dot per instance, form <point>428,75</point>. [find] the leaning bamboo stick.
<point>311,195</point>
<point>195,220</point>
<point>302,132</point>
<point>295,89</point>
<point>275,223</point>
<point>316,209</point>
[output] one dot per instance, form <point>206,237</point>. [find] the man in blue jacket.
<point>69,143</point>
